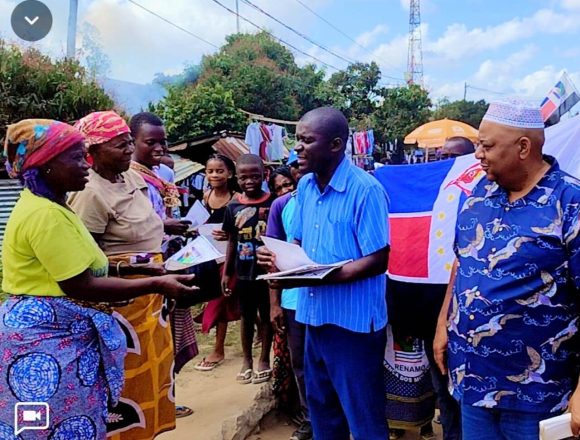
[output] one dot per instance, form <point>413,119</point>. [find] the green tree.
<point>34,86</point>
<point>470,112</point>
<point>198,109</point>
<point>355,90</point>
<point>258,71</point>
<point>401,110</point>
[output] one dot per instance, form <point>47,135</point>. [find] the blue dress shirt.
<point>348,220</point>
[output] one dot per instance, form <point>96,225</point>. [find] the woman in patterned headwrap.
<point>60,344</point>
<point>117,211</point>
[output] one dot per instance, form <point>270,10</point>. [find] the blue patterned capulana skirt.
<point>71,357</point>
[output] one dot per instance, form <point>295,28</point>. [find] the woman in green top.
<point>60,345</point>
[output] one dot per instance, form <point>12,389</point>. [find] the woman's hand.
<point>173,226</point>
<point>219,235</point>
<point>175,286</point>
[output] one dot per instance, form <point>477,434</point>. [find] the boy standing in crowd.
<point>245,223</point>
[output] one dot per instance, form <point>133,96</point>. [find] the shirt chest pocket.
<point>342,240</point>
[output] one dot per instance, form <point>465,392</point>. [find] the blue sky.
<point>517,47</point>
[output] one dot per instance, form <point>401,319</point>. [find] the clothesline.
<point>265,119</point>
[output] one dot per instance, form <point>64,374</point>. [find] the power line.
<point>366,49</point>
<point>276,38</point>
<point>300,34</point>
<point>332,26</point>
<point>173,24</point>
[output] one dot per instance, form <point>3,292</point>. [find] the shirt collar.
<point>539,192</point>
<point>339,177</point>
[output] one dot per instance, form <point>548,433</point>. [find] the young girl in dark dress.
<point>220,173</point>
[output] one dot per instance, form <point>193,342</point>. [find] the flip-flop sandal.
<point>245,377</point>
<point>183,411</point>
<point>204,365</point>
<point>262,376</point>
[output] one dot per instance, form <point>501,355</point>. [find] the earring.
<point>48,170</point>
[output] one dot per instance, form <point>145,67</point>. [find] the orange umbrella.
<point>435,133</point>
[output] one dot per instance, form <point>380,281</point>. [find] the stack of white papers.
<point>294,263</point>
<point>556,428</point>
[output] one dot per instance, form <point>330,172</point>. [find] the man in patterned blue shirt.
<point>509,324</point>
<point>341,214</point>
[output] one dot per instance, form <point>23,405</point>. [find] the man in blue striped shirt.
<point>341,214</point>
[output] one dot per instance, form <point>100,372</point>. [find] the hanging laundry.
<point>265,142</point>
<point>276,148</point>
<point>253,138</point>
<point>371,138</point>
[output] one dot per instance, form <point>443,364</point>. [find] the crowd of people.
<point>95,326</point>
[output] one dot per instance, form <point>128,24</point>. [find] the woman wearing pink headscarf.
<point>60,343</point>
<point>117,211</point>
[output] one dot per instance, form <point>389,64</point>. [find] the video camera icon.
<point>31,416</point>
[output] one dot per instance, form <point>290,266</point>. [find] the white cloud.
<point>571,4</point>
<point>140,44</point>
<point>497,74</point>
<point>459,41</point>
<point>538,83</point>
<point>367,38</point>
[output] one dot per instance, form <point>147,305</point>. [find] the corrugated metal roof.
<point>9,194</point>
<point>184,168</point>
<point>231,147</point>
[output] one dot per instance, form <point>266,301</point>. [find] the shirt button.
<point>471,317</point>
<point>493,249</point>
<point>313,249</point>
<point>507,208</point>
<point>320,202</point>
<point>501,228</point>
<point>316,226</point>
<point>469,340</point>
<point>311,294</point>
<point>477,293</point>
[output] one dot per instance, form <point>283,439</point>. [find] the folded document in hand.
<point>556,428</point>
<point>195,252</point>
<point>295,264</point>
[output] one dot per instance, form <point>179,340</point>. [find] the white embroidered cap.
<point>514,113</point>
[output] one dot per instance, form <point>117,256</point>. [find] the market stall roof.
<point>185,168</point>
<point>199,149</point>
<point>435,133</point>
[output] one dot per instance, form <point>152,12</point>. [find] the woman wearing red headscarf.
<point>60,344</point>
<point>117,211</point>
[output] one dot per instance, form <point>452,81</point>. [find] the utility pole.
<point>72,28</point>
<point>465,91</point>
<point>238,16</point>
<point>414,73</point>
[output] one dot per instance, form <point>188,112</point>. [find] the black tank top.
<point>216,215</point>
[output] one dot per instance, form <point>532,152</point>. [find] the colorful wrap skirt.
<point>408,386</point>
<point>67,357</point>
<point>147,404</point>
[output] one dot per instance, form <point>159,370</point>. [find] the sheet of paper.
<point>288,255</point>
<point>195,252</point>
<point>556,428</point>
<point>197,215</point>
<point>206,230</point>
